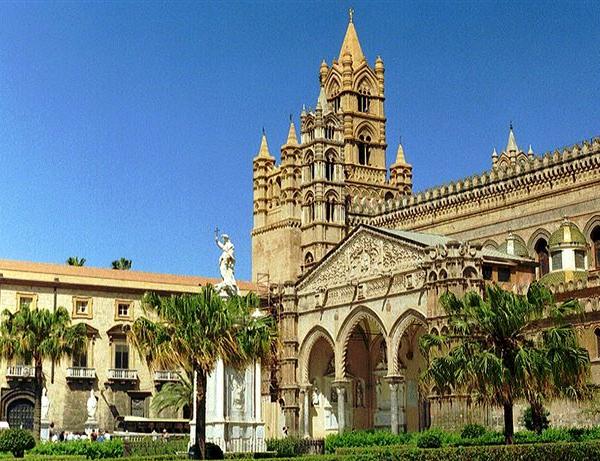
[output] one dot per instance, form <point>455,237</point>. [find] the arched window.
<point>364,150</point>
<point>310,216</point>
<point>309,163</point>
<point>329,132</point>
<point>597,335</point>
<point>329,166</point>
<point>596,246</point>
<point>541,250</point>
<point>557,260</point>
<point>388,196</point>
<point>364,101</point>
<point>330,208</point>
<point>308,259</point>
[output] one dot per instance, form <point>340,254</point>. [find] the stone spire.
<point>292,139</point>
<point>511,146</point>
<point>263,152</point>
<point>351,43</point>
<point>400,160</point>
<point>322,101</point>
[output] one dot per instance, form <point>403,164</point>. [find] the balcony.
<point>122,374</point>
<point>20,372</point>
<point>81,373</point>
<point>163,376</point>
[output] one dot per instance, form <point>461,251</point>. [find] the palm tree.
<point>505,347</point>
<point>35,335</point>
<point>191,332</point>
<point>75,261</point>
<point>122,264</point>
<point>175,395</point>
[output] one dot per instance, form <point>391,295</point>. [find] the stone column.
<point>257,394</point>
<point>394,407</point>
<point>341,406</point>
<point>219,374</point>
<point>306,411</point>
<point>402,402</point>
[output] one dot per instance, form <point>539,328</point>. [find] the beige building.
<point>357,261</point>
<point>107,301</point>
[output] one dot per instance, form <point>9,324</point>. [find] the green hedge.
<point>364,439</point>
<point>149,447</point>
<point>118,458</point>
<point>288,447</point>
<point>113,448</point>
<point>573,451</point>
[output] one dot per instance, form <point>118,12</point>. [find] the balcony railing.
<point>20,371</point>
<point>165,375</point>
<point>81,373</point>
<point>122,374</point>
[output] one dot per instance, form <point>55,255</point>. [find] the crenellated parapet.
<point>498,186</point>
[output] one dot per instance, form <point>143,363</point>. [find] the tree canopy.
<point>31,336</point>
<point>505,347</point>
<point>191,332</point>
<point>122,264</point>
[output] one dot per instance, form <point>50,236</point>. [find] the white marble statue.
<point>226,264</point>
<point>92,405</point>
<point>45,404</point>
<point>316,394</point>
<point>360,395</point>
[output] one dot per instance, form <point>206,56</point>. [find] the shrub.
<point>473,431</point>
<point>150,447</point>
<point>213,451</point>
<point>113,448</point>
<point>430,439</point>
<point>364,439</point>
<point>288,447</point>
<point>530,423</point>
<point>16,441</point>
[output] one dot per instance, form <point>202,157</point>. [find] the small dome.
<point>514,246</point>
<point>568,234</point>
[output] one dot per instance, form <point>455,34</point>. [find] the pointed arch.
<point>364,77</point>
<point>358,315</point>
<point>408,318</point>
<point>316,333</point>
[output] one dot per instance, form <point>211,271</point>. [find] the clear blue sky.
<point>128,128</point>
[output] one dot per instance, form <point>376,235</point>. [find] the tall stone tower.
<point>300,206</point>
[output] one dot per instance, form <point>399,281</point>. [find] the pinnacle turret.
<point>292,139</point>
<point>351,44</point>
<point>263,152</point>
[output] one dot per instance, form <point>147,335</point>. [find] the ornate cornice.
<point>493,188</point>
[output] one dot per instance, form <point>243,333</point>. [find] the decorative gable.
<point>365,255</point>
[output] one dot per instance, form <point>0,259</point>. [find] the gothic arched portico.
<point>362,363</point>
<point>316,376</point>
<point>407,363</point>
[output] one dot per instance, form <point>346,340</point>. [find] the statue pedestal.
<point>233,412</point>
<point>45,430</point>
<point>91,425</point>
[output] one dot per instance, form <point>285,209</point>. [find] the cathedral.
<point>354,260</point>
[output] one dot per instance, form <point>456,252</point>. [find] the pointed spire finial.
<point>264,147</point>
<point>511,146</point>
<point>292,139</point>
<point>351,14</point>
<point>350,44</point>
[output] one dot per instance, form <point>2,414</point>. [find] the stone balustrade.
<point>81,373</point>
<point>20,371</point>
<point>122,374</point>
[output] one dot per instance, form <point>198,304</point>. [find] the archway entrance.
<point>415,415</point>
<point>323,396</point>
<point>368,396</point>
<point>19,414</point>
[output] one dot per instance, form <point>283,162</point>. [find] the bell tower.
<point>356,91</point>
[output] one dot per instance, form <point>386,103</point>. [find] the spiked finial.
<point>263,152</point>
